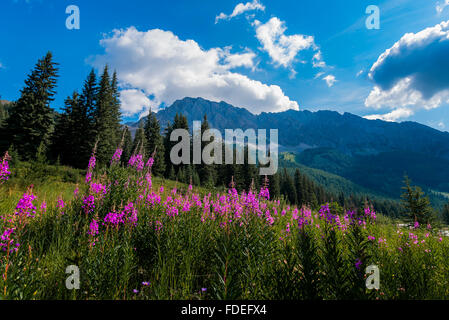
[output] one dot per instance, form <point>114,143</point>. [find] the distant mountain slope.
<point>300,130</point>
<point>373,154</point>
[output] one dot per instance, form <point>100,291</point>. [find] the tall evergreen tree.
<point>288,187</point>
<point>299,187</point>
<point>86,120</point>
<point>445,213</point>
<point>274,187</point>
<point>65,139</point>
<point>127,146</point>
<point>31,120</point>
<point>155,142</point>
<point>205,171</point>
<point>416,205</point>
<point>107,119</point>
<point>140,141</point>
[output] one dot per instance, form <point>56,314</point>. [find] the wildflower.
<point>203,289</point>
<point>150,162</point>
<point>135,291</point>
<point>136,161</point>
<point>116,156</point>
<point>60,204</point>
<point>93,228</point>
<point>6,241</point>
<point>43,207</point>
<point>358,263</point>
<point>371,238</point>
<point>88,204</point>
<point>416,226</point>
<point>146,283</point>
<point>4,168</point>
<point>25,206</point>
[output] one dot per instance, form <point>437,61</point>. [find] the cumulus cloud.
<point>393,115</point>
<point>135,101</point>
<point>157,67</point>
<point>330,80</point>
<point>441,5</point>
<point>239,9</point>
<point>412,74</point>
<point>281,48</point>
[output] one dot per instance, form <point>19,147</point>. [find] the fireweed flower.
<point>60,204</point>
<point>7,242</point>
<point>358,263</point>
<point>150,162</point>
<point>116,157</point>
<point>136,161</point>
<point>43,207</point>
<point>4,168</point>
<point>88,204</point>
<point>416,226</point>
<point>25,206</point>
<point>93,228</point>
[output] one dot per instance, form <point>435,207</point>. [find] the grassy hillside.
<point>133,236</point>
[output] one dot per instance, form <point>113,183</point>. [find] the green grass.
<point>241,255</point>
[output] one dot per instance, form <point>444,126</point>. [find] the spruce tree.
<point>169,173</point>
<point>274,187</point>
<point>107,119</point>
<point>127,146</point>
<point>140,141</point>
<point>445,213</point>
<point>31,120</point>
<point>299,187</point>
<point>417,206</point>
<point>205,171</point>
<point>288,188</point>
<point>65,139</point>
<point>155,142</point>
<point>86,120</point>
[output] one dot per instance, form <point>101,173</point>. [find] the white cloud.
<point>241,8</point>
<point>393,115</point>
<point>281,48</point>
<point>317,60</point>
<point>441,5</point>
<point>330,80</point>
<point>359,73</point>
<point>412,74</point>
<point>163,68</point>
<point>135,101</point>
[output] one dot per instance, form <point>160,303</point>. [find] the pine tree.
<point>107,119</point>
<point>86,120</point>
<point>155,142</point>
<point>140,141</point>
<point>65,139</point>
<point>31,120</point>
<point>127,146</point>
<point>167,147</point>
<point>299,187</point>
<point>274,186</point>
<point>288,188</point>
<point>416,205</point>
<point>205,171</point>
<point>445,213</point>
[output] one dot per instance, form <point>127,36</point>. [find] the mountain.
<point>374,154</point>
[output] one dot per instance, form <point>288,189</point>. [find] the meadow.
<point>135,236</point>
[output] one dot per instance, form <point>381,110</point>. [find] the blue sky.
<point>266,56</point>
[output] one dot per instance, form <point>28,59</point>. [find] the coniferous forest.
<point>78,188</point>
